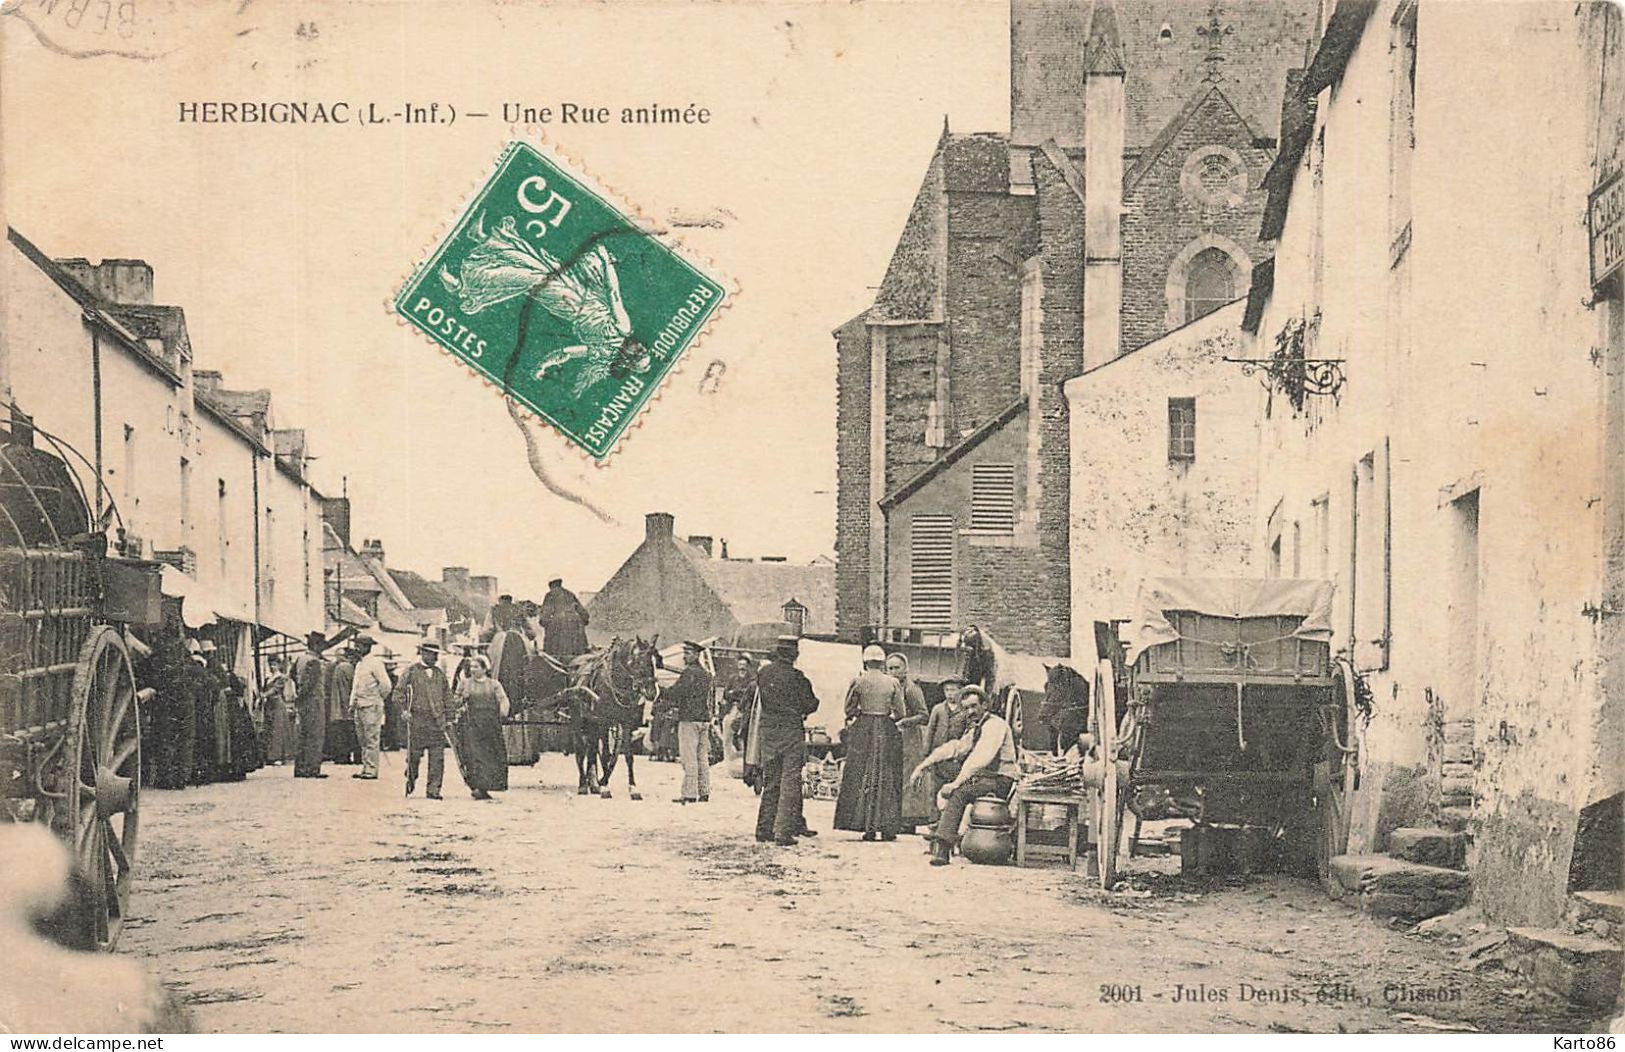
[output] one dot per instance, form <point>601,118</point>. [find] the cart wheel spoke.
<point>121,709</point>
<point>125,751</point>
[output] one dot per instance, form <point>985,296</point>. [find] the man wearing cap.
<point>425,699</point>
<point>367,696</point>
<point>310,680</point>
<point>564,621</point>
<point>787,699</point>
<point>691,696</point>
<point>988,768</point>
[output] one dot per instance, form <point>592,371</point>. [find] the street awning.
<point>195,609</point>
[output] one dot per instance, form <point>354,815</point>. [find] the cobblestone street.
<point>276,905</point>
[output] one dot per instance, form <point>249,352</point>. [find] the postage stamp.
<point>560,298</point>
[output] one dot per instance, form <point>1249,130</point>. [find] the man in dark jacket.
<point>310,677</point>
<point>691,694</point>
<point>564,621</point>
<point>787,699</point>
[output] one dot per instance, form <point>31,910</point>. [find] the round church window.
<point>1214,176</point>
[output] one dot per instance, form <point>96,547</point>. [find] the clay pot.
<point>988,841</point>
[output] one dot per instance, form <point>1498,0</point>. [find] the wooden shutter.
<point>931,572</point>
<point>993,497</point>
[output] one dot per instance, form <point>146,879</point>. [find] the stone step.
<point>1581,968</point>
<point>1431,847</point>
<point>1456,819</point>
<point>1598,913</point>
<point>1393,887</point>
<point>1600,905</point>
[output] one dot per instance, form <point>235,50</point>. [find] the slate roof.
<point>914,285</point>
<point>953,454</point>
<point>756,592</point>
<point>425,594</point>
<point>1342,36</point>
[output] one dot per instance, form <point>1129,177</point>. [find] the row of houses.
<point>196,475</point>
<point>1324,290</point>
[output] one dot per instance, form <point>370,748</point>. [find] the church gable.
<point>1197,187</point>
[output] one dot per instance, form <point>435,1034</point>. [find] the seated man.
<point>986,757</point>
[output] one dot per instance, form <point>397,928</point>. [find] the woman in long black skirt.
<point>871,797</point>
<point>482,704</point>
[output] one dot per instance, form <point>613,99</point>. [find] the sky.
<point>284,244</point>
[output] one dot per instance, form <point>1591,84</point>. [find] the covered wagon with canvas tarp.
<point>1237,718</point>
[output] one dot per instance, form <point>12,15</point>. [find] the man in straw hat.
<point>424,696</point>
<point>310,680</point>
<point>786,700</point>
<point>367,696</point>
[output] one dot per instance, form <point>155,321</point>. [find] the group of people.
<point>957,752</point>
<point>904,767</point>
<point>197,728</point>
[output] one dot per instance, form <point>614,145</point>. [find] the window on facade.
<point>1402,128</point>
<point>1209,283</point>
<point>1321,512</point>
<point>1297,549</point>
<point>931,572</point>
<point>1032,323</point>
<point>186,502</point>
<point>1370,572</point>
<point>1181,429</point>
<point>223,541</point>
<point>993,497</point>
<point>268,570</point>
<point>131,501</point>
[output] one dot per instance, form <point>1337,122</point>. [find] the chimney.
<point>774,559</point>
<point>702,542</point>
<point>372,548</point>
<point>126,281</point>
<point>207,381</point>
<point>122,281</point>
<point>724,543</point>
<point>336,513</point>
<point>658,525</point>
<point>1103,181</point>
<point>455,575</point>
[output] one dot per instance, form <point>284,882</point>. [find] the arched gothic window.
<point>1210,283</point>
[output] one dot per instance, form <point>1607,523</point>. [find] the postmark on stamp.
<point>560,299</point>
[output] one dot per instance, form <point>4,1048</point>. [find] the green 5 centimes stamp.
<point>560,299</point>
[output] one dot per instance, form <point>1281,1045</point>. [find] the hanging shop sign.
<point>1605,216</point>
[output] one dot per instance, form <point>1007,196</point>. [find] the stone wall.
<point>1135,512</point>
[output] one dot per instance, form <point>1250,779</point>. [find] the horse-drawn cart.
<point>70,730</point>
<point>1236,718</point>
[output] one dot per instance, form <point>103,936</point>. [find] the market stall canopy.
<point>1233,597</point>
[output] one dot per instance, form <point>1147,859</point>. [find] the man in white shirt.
<point>988,768</point>
<point>372,685</point>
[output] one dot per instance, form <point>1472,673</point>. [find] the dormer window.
<point>1166,33</point>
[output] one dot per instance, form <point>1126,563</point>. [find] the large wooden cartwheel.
<point>1336,773</point>
<point>104,749</point>
<point>1111,797</point>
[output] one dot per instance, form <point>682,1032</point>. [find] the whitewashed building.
<point>199,476</point>
<point>1444,441</point>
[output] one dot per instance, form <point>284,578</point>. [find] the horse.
<point>1066,704</point>
<point>981,667</point>
<point>603,691</point>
